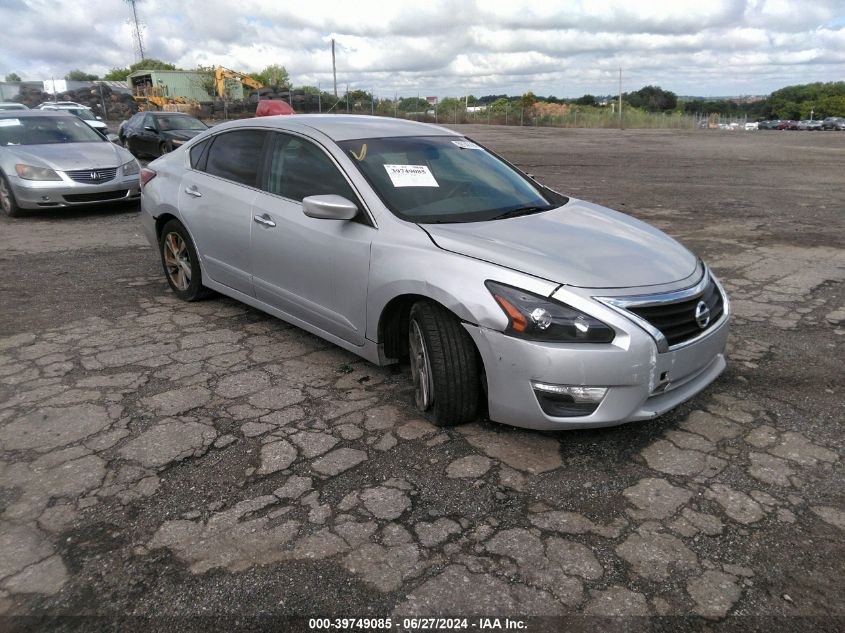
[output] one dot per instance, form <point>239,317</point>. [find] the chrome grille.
<point>94,176</point>
<point>677,321</point>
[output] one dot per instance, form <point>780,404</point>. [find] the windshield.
<point>46,130</point>
<point>446,179</point>
<point>168,123</point>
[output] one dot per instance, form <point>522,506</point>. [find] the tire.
<point>178,257</point>
<point>163,148</point>
<point>444,365</point>
<point>8,204</point>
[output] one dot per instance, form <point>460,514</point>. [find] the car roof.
<point>347,127</point>
<point>17,114</point>
<point>168,114</point>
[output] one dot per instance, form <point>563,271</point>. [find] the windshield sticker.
<point>9,122</point>
<point>467,145</point>
<point>361,155</point>
<point>410,176</point>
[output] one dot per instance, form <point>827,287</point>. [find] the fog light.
<point>568,400</point>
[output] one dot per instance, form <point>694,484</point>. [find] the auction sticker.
<point>9,122</point>
<point>467,145</point>
<point>410,176</point>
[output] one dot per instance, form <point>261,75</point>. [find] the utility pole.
<point>319,97</point>
<point>620,98</point>
<point>372,102</point>
<point>334,70</point>
<point>347,98</point>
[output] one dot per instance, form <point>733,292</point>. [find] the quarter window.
<point>299,169</point>
<point>236,155</point>
<point>196,154</point>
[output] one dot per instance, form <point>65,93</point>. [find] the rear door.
<point>215,200</point>
<point>315,270</point>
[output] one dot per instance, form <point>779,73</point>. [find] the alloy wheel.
<point>5,197</point>
<point>177,259</point>
<point>420,368</point>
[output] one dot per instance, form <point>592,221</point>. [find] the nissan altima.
<point>50,159</point>
<point>402,241</point>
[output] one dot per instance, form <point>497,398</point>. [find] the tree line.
<point>819,100</point>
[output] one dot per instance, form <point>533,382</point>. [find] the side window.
<point>148,120</point>
<point>236,156</point>
<point>299,169</point>
<point>197,155</point>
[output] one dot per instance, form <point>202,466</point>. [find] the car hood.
<point>69,156</point>
<point>181,135</point>
<point>579,244</point>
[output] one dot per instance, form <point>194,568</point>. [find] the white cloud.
<point>565,47</point>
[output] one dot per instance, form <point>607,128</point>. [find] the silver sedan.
<point>50,159</point>
<point>403,241</point>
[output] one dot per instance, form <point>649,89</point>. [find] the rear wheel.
<point>8,205</point>
<point>180,262</point>
<point>444,366</point>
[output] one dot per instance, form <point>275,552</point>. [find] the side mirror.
<point>150,128</point>
<point>99,118</point>
<point>329,207</point>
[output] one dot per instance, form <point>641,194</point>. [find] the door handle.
<point>265,219</point>
<point>193,191</point>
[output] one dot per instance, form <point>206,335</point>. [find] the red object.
<point>270,108</point>
<point>146,176</point>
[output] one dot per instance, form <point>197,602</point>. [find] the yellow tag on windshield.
<point>362,155</point>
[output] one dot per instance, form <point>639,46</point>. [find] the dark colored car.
<point>771,124</point>
<point>790,125</point>
<point>157,133</point>
<point>834,123</point>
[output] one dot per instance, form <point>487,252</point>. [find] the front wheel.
<point>8,204</point>
<point>163,148</point>
<point>180,261</point>
<point>444,366</point>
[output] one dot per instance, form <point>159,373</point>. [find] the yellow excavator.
<point>222,74</point>
<point>154,98</point>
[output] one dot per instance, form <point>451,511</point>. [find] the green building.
<point>180,83</point>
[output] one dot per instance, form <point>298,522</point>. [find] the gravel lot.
<point>164,459</point>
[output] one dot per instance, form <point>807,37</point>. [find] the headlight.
<point>131,168</point>
<point>539,318</point>
<point>28,172</point>
<point>177,142</point>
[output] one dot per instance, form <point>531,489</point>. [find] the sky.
<point>565,48</point>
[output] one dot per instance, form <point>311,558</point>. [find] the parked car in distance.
<point>11,105</point>
<point>790,125</point>
<point>157,133</point>
<point>51,159</point>
<point>752,126</point>
<point>769,124</point>
<point>834,123</point>
<point>401,240</point>
<point>809,124</point>
<point>83,112</point>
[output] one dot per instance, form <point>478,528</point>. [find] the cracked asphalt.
<point>168,460</point>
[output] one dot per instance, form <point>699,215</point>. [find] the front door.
<point>315,270</point>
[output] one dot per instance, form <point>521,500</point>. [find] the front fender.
<point>455,281</point>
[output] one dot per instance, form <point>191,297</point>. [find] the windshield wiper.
<point>526,210</point>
